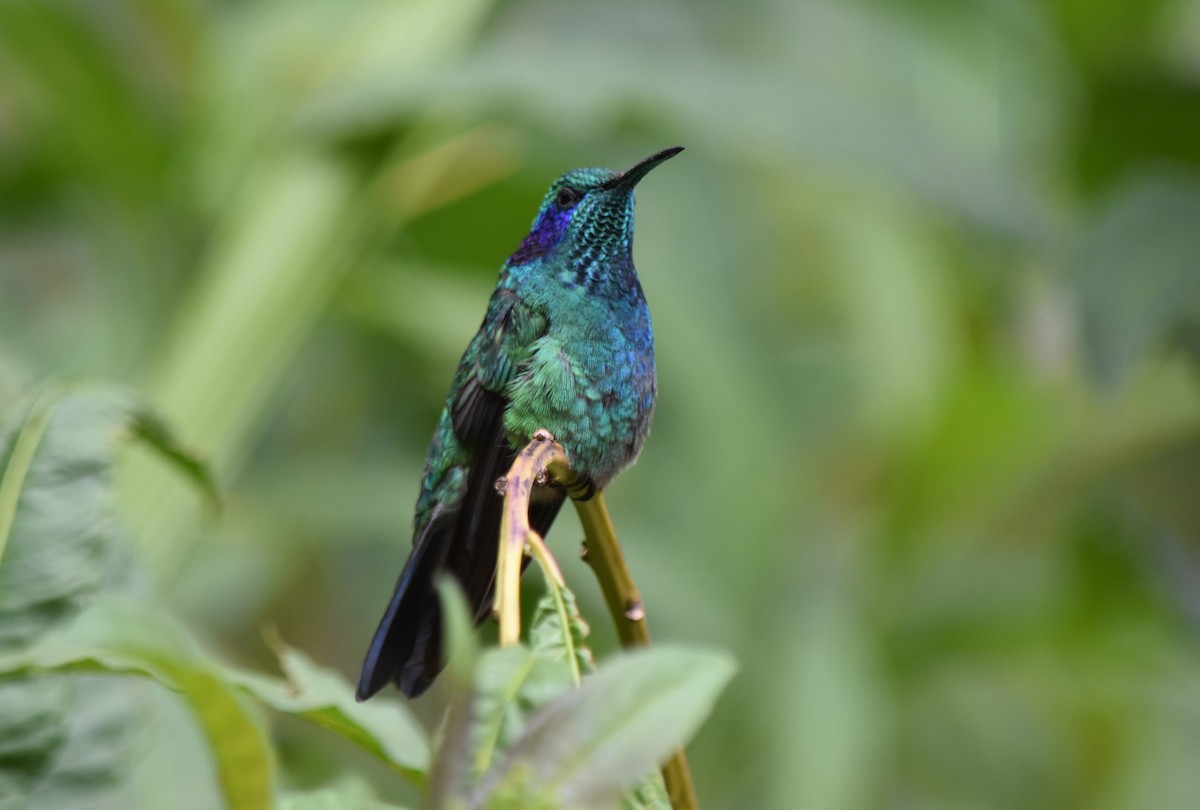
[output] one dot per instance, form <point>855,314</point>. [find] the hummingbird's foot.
<point>581,488</point>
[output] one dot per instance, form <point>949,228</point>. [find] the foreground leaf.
<point>592,744</point>
<point>510,685</point>
<point>115,637</point>
<point>56,526</point>
<point>383,728</point>
<point>59,545</point>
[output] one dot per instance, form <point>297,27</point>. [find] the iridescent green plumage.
<point>566,345</point>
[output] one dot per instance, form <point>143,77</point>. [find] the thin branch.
<point>603,553</point>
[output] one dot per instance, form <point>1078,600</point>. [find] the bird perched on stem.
<point>565,345</point>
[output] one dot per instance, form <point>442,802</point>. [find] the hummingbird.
<point>565,345</point>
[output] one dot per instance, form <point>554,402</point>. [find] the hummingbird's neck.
<point>546,235</point>
<point>613,278</point>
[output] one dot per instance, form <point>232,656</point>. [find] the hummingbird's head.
<point>587,216</point>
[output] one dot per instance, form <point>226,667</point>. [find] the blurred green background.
<point>926,290</point>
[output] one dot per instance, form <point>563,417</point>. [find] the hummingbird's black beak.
<point>630,178</point>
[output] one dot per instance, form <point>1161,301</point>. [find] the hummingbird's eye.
<point>567,197</point>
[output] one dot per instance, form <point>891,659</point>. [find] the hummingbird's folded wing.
<point>459,534</point>
<point>500,350</point>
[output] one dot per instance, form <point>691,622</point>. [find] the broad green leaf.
<point>384,728</point>
<point>94,765</point>
<point>34,724</point>
<point>511,683</point>
<point>58,546</point>
<point>594,743</point>
<point>56,527</point>
<point>502,672</point>
<point>117,638</point>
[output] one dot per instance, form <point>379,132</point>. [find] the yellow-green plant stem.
<point>603,553</point>
<point>543,457</point>
<point>528,469</point>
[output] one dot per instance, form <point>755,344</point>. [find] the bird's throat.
<point>548,232</point>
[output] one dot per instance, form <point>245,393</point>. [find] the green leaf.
<point>58,546</point>
<point>56,530</point>
<point>94,765</point>
<point>116,638</point>
<point>34,728</point>
<point>510,685</point>
<point>592,744</point>
<point>383,728</point>
<point>54,499</point>
<point>553,639</point>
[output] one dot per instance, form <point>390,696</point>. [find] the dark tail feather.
<point>412,617</point>
<point>407,646</point>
